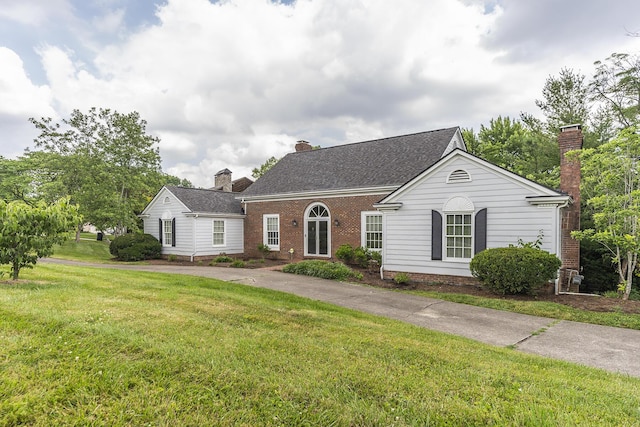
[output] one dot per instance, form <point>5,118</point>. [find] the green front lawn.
<point>82,346</point>
<point>88,249</point>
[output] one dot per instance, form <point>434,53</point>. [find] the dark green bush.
<point>361,256</point>
<point>135,247</point>
<point>514,270</point>
<point>345,253</point>
<point>221,258</point>
<point>238,263</point>
<point>323,269</point>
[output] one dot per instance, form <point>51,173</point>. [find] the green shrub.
<point>514,270</point>
<point>361,256</point>
<point>323,269</point>
<point>401,278</point>
<point>376,256</point>
<point>238,263</point>
<point>264,250</point>
<point>135,247</point>
<point>221,258</point>
<point>345,253</point>
<point>172,258</point>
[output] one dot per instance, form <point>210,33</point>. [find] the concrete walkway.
<point>611,349</point>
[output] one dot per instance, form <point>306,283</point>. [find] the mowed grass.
<point>83,346</point>
<point>553,310</point>
<point>88,249</point>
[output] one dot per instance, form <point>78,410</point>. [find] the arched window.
<point>317,231</point>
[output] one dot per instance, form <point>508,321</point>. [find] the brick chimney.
<point>303,146</point>
<point>223,180</point>
<point>570,138</point>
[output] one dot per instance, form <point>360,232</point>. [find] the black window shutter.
<point>173,232</point>
<point>480,235</point>
<point>436,235</point>
<point>160,230</point>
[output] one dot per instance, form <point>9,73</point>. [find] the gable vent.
<point>458,175</point>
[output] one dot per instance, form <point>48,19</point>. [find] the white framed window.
<point>271,231</point>
<point>458,236</point>
<point>371,226</point>
<point>167,232</point>
<point>219,232</point>
<point>317,230</point>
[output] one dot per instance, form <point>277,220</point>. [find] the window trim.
<point>265,231</point>
<point>363,229</point>
<point>213,233</point>
<point>471,235</point>
<point>167,243</point>
<point>318,219</point>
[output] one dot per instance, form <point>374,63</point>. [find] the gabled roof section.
<point>207,201</point>
<point>386,162</point>
<point>543,192</point>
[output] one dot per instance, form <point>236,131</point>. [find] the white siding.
<point>510,217</point>
<point>234,240</point>
<point>188,226</point>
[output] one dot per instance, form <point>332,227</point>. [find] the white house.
<point>435,223</point>
<point>195,223</point>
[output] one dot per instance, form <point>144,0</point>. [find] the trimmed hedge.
<point>135,247</point>
<point>322,269</point>
<point>514,270</point>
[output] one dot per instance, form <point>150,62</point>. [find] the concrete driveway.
<point>611,349</point>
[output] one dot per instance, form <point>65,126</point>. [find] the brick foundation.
<point>434,279</point>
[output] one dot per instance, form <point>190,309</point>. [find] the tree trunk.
<point>15,270</point>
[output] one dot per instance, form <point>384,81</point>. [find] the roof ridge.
<point>377,139</point>
<point>194,188</point>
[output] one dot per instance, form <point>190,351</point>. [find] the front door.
<point>317,231</point>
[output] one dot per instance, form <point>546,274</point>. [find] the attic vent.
<point>166,200</point>
<point>458,175</point>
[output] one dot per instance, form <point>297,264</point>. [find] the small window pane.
<point>218,232</point>
<point>373,231</point>
<point>458,236</point>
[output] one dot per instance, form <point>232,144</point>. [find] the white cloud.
<point>34,12</point>
<point>231,83</point>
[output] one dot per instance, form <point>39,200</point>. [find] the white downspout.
<point>195,228</point>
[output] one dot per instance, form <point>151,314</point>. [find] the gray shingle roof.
<point>207,201</point>
<point>381,162</point>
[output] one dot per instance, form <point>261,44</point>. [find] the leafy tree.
<point>470,140</point>
<point>611,185</point>
<point>564,100</point>
<point>105,161</point>
<point>263,168</point>
<point>616,85</point>
<point>28,232</point>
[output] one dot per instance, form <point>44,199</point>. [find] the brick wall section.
<point>570,138</point>
<point>435,279</point>
<point>345,209</point>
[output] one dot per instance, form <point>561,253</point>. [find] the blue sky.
<point>228,84</point>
